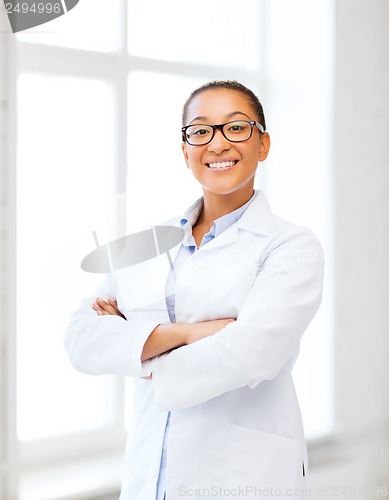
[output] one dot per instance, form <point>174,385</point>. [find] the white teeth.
<point>222,164</point>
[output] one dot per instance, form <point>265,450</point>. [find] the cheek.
<point>255,152</point>
<point>194,158</point>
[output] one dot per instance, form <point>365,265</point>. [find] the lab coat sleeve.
<point>100,345</point>
<point>280,305</point>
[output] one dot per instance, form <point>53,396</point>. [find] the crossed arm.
<point>214,356</point>
<point>165,336</point>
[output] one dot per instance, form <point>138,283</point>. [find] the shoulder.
<point>286,230</point>
<point>260,219</point>
<point>276,235</point>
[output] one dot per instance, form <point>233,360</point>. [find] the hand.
<point>104,308</point>
<point>197,331</point>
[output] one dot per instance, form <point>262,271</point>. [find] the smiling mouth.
<point>222,164</point>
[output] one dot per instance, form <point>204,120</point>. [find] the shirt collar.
<point>191,215</point>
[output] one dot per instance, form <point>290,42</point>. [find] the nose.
<point>219,143</point>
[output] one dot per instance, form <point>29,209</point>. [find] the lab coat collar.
<point>256,219</point>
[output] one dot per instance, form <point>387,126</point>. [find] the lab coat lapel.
<point>256,219</point>
<point>208,268</point>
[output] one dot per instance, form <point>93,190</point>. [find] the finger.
<point>99,310</point>
<point>112,302</point>
<point>105,307</point>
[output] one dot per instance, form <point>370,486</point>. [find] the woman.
<point>216,411</point>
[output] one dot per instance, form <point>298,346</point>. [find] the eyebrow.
<point>230,115</point>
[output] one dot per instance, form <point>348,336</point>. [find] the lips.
<point>221,164</point>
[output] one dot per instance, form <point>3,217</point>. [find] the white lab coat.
<point>236,429</point>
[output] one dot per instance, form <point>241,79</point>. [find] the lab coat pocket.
<point>261,461</point>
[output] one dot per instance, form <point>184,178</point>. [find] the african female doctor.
<point>216,414</point>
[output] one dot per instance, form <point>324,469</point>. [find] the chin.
<point>227,189</point>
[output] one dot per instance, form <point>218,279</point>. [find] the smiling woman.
<point>212,357</point>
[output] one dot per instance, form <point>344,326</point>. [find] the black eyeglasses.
<point>235,131</point>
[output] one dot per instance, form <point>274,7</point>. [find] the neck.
<point>217,205</point>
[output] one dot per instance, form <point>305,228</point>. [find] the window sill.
<point>94,478</point>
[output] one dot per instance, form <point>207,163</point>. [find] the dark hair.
<point>229,85</point>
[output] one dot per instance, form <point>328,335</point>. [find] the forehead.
<point>216,105</point>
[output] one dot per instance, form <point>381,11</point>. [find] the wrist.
<point>180,332</point>
<point>185,331</point>
<point>177,333</point>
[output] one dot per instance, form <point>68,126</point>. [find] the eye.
<point>238,127</point>
<point>199,131</point>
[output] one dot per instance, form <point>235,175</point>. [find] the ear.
<point>264,146</point>
<point>185,153</point>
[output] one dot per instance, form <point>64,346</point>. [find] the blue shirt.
<point>188,247</point>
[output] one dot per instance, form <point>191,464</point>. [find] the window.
<point>50,205</point>
<point>89,85</point>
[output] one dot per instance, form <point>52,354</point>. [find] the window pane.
<point>65,146</point>
<point>295,46</point>
<point>90,25</point>
<point>216,33</point>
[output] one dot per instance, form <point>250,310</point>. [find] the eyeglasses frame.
<point>220,127</point>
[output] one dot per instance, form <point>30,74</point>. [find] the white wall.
<point>361,188</point>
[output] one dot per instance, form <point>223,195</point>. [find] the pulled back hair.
<point>229,85</point>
